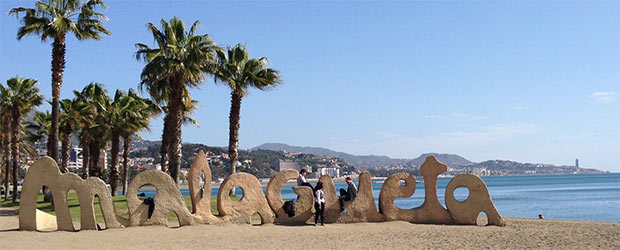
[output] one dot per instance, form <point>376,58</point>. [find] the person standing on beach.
<point>347,195</point>
<point>319,204</point>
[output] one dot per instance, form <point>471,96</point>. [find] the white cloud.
<point>604,97</point>
<point>520,108</point>
<point>435,117</point>
<point>457,117</point>
<point>466,117</point>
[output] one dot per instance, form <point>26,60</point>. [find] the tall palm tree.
<point>127,114</point>
<point>26,150</point>
<point>23,95</point>
<point>39,127</point>
<point>75,115</point>
<point>99,137</point>
<point>5,119</point>
<point>179,61</point>
<point>36,130</point>
<point>139,119</point>
<point>240,72</point>
<point>5,160</point>
<point>189,107</point>
<point>26,147</point>
<point>54,19</point>
<point>94,137</point>
<point>120,106</point>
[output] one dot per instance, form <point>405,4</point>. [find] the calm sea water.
<point>593,197</point>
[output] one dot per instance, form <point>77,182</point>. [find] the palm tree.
<point>54,19</point>
<point>120,106</point>
<point>136,120</point>
<point>39,127</point>
<point>75,114</point>
<point>23,95</point>
<point>127,114</point>
<point>36,130</point>
<point>180,61</point>
<point>189,107</point>
<point>94,137</point>
<point>5,119</point>
<point>5,157</point>
<point>25,148</point>
<point>240,72</point>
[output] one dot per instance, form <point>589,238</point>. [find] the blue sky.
<point>528,81</point>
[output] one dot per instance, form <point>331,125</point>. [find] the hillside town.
<point>144,155</point>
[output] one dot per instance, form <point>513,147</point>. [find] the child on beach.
<point>319,203</point>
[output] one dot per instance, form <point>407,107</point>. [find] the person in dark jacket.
<point>347,195</point>
<point>301,179</point>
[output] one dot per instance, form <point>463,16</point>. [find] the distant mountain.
<point>451,160</point>
<point>357,160</point>
<point>139,143</point>
<point>366,160</point>
<point>457,163</point>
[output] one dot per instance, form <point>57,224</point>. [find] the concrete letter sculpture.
<point>431,210</point>
<point>479,200</point>
<point>201,205</point>
<point>362,208</point>
<point>253,200</point>
<point>392,189</point>
<point>168,198</point>
<point>332,204</point>
<point>45,172</point>
<point>303,206</point>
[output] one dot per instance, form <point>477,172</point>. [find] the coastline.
<point>419,179</point>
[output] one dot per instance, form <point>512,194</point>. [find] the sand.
<point>518,234</point>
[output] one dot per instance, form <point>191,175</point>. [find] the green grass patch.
<point>8,203</point>
<point>120,203</point>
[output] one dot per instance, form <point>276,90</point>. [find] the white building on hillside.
<point>333,172</point>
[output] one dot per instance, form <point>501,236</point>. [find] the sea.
<point>588,197</point>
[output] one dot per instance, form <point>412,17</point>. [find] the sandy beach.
<point>518,234</point>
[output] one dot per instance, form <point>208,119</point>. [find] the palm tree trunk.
<point>58,67</point>
<point>233,133</point>
<point>49,146</point>
<point>7,159</point>
<point>177,151</point>
<point>165,143</point>
<point>94,158</point>
<point>15,148</point>
<point>233,139</point>
<point>85,157</point>
<point>66,146</point>
<point>176,116</point>
<point>114,175</point>
<point>6,170</point>
<point>126,144</point>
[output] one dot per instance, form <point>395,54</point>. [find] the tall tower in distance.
<point>576,162</point>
